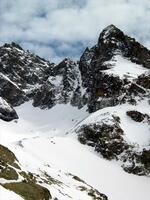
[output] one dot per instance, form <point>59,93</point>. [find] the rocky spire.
<point>111,32</point>
<point>112,39</point>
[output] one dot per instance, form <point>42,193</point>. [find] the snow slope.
<point>135,132</point>
<point>67,154</point>
<point>38,140</point>
<point>119,66</point>
<point>6,194</point>
<point>33,122</point>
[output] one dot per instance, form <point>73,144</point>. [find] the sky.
<point>55,29</point>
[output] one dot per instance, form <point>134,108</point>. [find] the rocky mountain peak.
<point>13,45</point>
<point>98,79</point>
<point>111,66</point>
<point>110,34</point>
<point>64,65</point>
<point>20,71</point>
<point>114,41</point>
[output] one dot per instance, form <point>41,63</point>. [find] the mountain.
<point>66,124</point>
<point>96,80</point>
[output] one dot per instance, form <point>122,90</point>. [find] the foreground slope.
<point>30,176</point>
<point>106,176</point>
<point>50,153</point>
<point>5,194</point>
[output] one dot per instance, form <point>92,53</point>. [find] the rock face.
<point>10,91</point>
<point>106,134</point>
<point>7,113</point>
<point>144,81</point>
<point>25,76</point>
<point>107,139</point>
<point>20,73</point>
<point>103,85</point>
<point>138,116</point>
<point>62,86</point>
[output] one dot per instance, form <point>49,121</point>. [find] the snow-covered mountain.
<point>76,130</point>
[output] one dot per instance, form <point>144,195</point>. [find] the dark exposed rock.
<point>7,113</point>
<point>44,97</point>
<point>19,72</point>
<point>107,88</point>
<point>135,89</point>
<point>29,191</point>
<point>13,44</point>
<point>106,139</point>
<point>138,162</point>
<point>145,158</point>
<point>137,116</point>
<point>69,74</point>
<point>62,86</point>
<point>85,65</point>
<point>144,81</point>
<point>8,157</point>
<point>11,92</point>
<point>22,67</point>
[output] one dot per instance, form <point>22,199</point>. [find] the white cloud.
<point>55,26</point>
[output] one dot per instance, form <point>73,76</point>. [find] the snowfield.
<point>8,195</point>
<point>67,154</point>
<point>119,66</point>
<point>34,122</point>
<point>40,142</point>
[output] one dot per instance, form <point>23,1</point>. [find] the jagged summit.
<point>12,45</point>
<point>111,32</point>
<point>98,74</point>
<point>108,67</point>
<point>113,41</point>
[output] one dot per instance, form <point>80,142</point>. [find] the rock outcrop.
<point>107,136</point>
<point>7,112</point>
